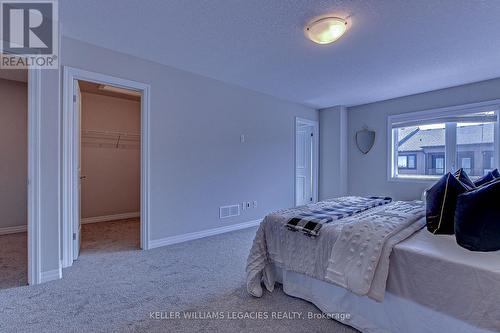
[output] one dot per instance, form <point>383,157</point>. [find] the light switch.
<point>242,138</point>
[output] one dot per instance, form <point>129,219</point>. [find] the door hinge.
<point>74,98</point>
<point>74,236</point>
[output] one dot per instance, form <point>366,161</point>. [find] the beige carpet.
<point>13,260</point>
<point>111,236</point>
<point>121,235</point>
<point>113,287</point>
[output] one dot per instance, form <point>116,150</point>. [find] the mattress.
<point>430,271</point>
<point>394,314</point>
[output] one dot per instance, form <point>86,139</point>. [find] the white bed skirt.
<point>394,314</point>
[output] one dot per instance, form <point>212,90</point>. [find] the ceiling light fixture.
<point>326,30</point>
<point>118,90</point>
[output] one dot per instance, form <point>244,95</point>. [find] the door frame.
<point>315,124</point>
<point>70,150</point>
<point>34,176</point>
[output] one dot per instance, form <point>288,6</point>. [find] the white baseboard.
<point>54,274</point>
<point>201,234</point>
<point>13,230</point>
<point>113,217</point>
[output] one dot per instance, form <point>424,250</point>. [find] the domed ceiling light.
<point>326,30</point>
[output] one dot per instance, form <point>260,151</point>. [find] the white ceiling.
<point>392,48</point>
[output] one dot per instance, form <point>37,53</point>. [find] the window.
<point>465,160</point>
<point>407,161</point>
<point>402,162</point>
<point>488,162</point>
<point>427,144</point>
<point>435,164</point>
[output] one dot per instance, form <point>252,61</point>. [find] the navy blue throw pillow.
<point>484,179</point>
<point>441,201</point>
<point>477,218</point>
<point>496,173</point>
<point>461,175</point>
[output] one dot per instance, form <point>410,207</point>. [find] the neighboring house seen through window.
<point>430,143</point>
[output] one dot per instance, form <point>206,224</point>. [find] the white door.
<point>77,225</point>
<point>304,165</point>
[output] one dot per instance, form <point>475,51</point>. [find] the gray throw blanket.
<point>312,217</point>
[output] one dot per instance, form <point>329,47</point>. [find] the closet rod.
<point>110,133</point>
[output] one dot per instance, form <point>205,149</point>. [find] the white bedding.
<point>394,314</point>
<point>359,260</point>
<point>429,271</point>
<point>433,271</point>
<point>352,252</point>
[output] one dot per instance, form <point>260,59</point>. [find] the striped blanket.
<point>311,218</point>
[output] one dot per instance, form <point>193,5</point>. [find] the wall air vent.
<point>229,211</point>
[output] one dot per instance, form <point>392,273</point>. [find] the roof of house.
<point>420,139</point>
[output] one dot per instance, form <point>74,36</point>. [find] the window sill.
<point>414,179</point>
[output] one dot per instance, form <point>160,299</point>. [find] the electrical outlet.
<point>255,204</point>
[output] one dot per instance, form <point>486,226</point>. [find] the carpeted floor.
<point>112,236</point>
<point>13,260</point>
<point>113,287</point>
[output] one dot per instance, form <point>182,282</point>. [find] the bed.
<point>430,284</point>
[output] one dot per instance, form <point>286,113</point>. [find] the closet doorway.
<point>105,164</point>
<point>109,168</point>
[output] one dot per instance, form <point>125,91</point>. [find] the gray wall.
<point>13,153</point>
<point>197,160</point>
<point>332,152</point>
<point>367,174</point>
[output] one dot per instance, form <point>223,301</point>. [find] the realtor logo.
<point>29,35</point>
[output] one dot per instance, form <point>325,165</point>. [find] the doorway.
<point>13,175</point>
<point>306,161</point>
<point>94,143</point>
<point>20,176</point>
<point>109,168</point>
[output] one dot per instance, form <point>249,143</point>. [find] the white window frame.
<point>440,115</point>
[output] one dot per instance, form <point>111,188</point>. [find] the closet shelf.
<point>110,139</point>
<point>96,134</point>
